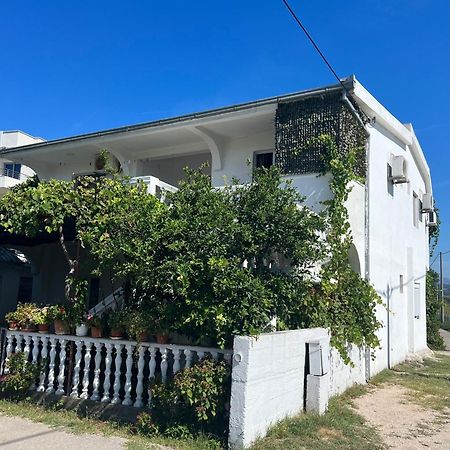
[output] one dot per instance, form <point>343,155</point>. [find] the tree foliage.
<point>433,307</point>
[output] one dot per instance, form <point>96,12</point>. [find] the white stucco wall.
<point>392,233</point>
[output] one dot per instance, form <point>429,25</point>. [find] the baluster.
<point>152,368</point>
<point>9,349</point>
<point>163,364</point>
<point>44,353</point>
<point>76,369</point>
<point>62,366</point>
<point>107,382</point>
<point>227,357</point>
<point>188,355</point>
<point>200,355</point>
<point>87,363</point>
<point>215,356</point>
<point>140,385</point>
<point>26,348</point>
<point>118,360</point>
<point>35,352</point>
<point>96,382</point>
<point>51,365</point>
<point>127,400</point>
<point>176,360</point>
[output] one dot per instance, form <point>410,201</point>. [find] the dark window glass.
<point>12,170</point>
<point>264,160</point>
<point>25,292</point>
<point>94,292</point>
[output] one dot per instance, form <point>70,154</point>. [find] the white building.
<point>11,172</point>
<point>389,226</point>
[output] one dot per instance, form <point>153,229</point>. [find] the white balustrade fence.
<point>105,370</point>
<point>155,186</point>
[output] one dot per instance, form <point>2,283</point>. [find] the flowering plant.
<point>59,312</point>
<point>94,321</point>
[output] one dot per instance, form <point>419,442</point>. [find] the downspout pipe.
<point>354,112</point>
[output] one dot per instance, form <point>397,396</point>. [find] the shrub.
<point>21,375</point>
<point>195,400</point>
<point>433,307</point>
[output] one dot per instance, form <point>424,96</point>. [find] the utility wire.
<point>313,43</point>
<point>437,256</point>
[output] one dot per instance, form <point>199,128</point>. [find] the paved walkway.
<point>22,434</point>
<point>446,337</point>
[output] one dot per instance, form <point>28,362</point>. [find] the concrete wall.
<point>268,381</point>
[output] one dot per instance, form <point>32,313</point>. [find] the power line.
<point>437,256</point>
<point>313,43</point>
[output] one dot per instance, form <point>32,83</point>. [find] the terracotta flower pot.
<point>96,332</point>
<point>61,327</point>
<point>13,326</point>
<point>44,328</point>
<point>142,337</point>
<point>28,327</point>
<point>116,333</point>
<point>162,338</point>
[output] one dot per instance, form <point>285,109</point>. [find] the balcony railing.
<point>101,369</point>
<point>13,174</point>
<point>155,186</point>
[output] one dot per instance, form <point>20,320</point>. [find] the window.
<point>12,170</point>
<point>263,159</point>
<point>94,292</point>
<point>390,183</point>
<point>401,284</point>
<point>420,206</point>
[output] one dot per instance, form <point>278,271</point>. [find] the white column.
<point>176,360</point>
<point>44,353</point>
<point>62,366</point>
<point>118,361</point>
<point>9,349</point>
<point>200,355</point>
<point>107,382</point>
<point>188,355</point>
<point>26,349</point>
<point>87,363</point>
<point>215,356</point>
<point>140,385</point>
<point>127,400</point>
<point>35,352</point>
<point>51,365</point>
<point>96,382</point>
<point>152,368</point>
<point>76,369</point>
<point>163,364</point>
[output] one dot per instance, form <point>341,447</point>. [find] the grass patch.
<point>55,416</point>
<point>339,428</point>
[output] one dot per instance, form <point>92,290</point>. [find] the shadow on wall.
<point>16,280</point>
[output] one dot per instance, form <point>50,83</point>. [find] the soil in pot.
<point>96,332</point>
<point>28,327</point>
<point>143,337</point>
<point>44,328</point>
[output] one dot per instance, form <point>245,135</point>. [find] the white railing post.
<point>51,365</point>
<point>76,369</point>
<point>188,358</point>
<point>26,348</point>
<point>44,353</point>
<point>87,362</point>
<point>176,360</point>
<point>164,364</point>
<point>118,363</point>
<point>35,352</point>
<point>140,385</point>
<point>152,368</point>
<point>107,382</point>
<point>9,349</point>
<point>96,382</point>
<point>62,366</point>
<point>127,400</point>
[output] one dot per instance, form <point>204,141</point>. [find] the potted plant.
<point>116,321</point>
<point>61,318</point>
<point>95,323</point>
<point>12,320</point>
<point>44,318</point>
<point>27,314</point>
<point>137,325</point>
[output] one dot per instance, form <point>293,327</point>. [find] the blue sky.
<point>73,67</point>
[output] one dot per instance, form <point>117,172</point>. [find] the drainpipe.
<point>354,112</point>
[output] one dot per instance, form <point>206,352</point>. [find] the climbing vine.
<point>348,302</point>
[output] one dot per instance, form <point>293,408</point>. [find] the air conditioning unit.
<point>399,170</point>
<point>432,219</point>
<point>427,203</point>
